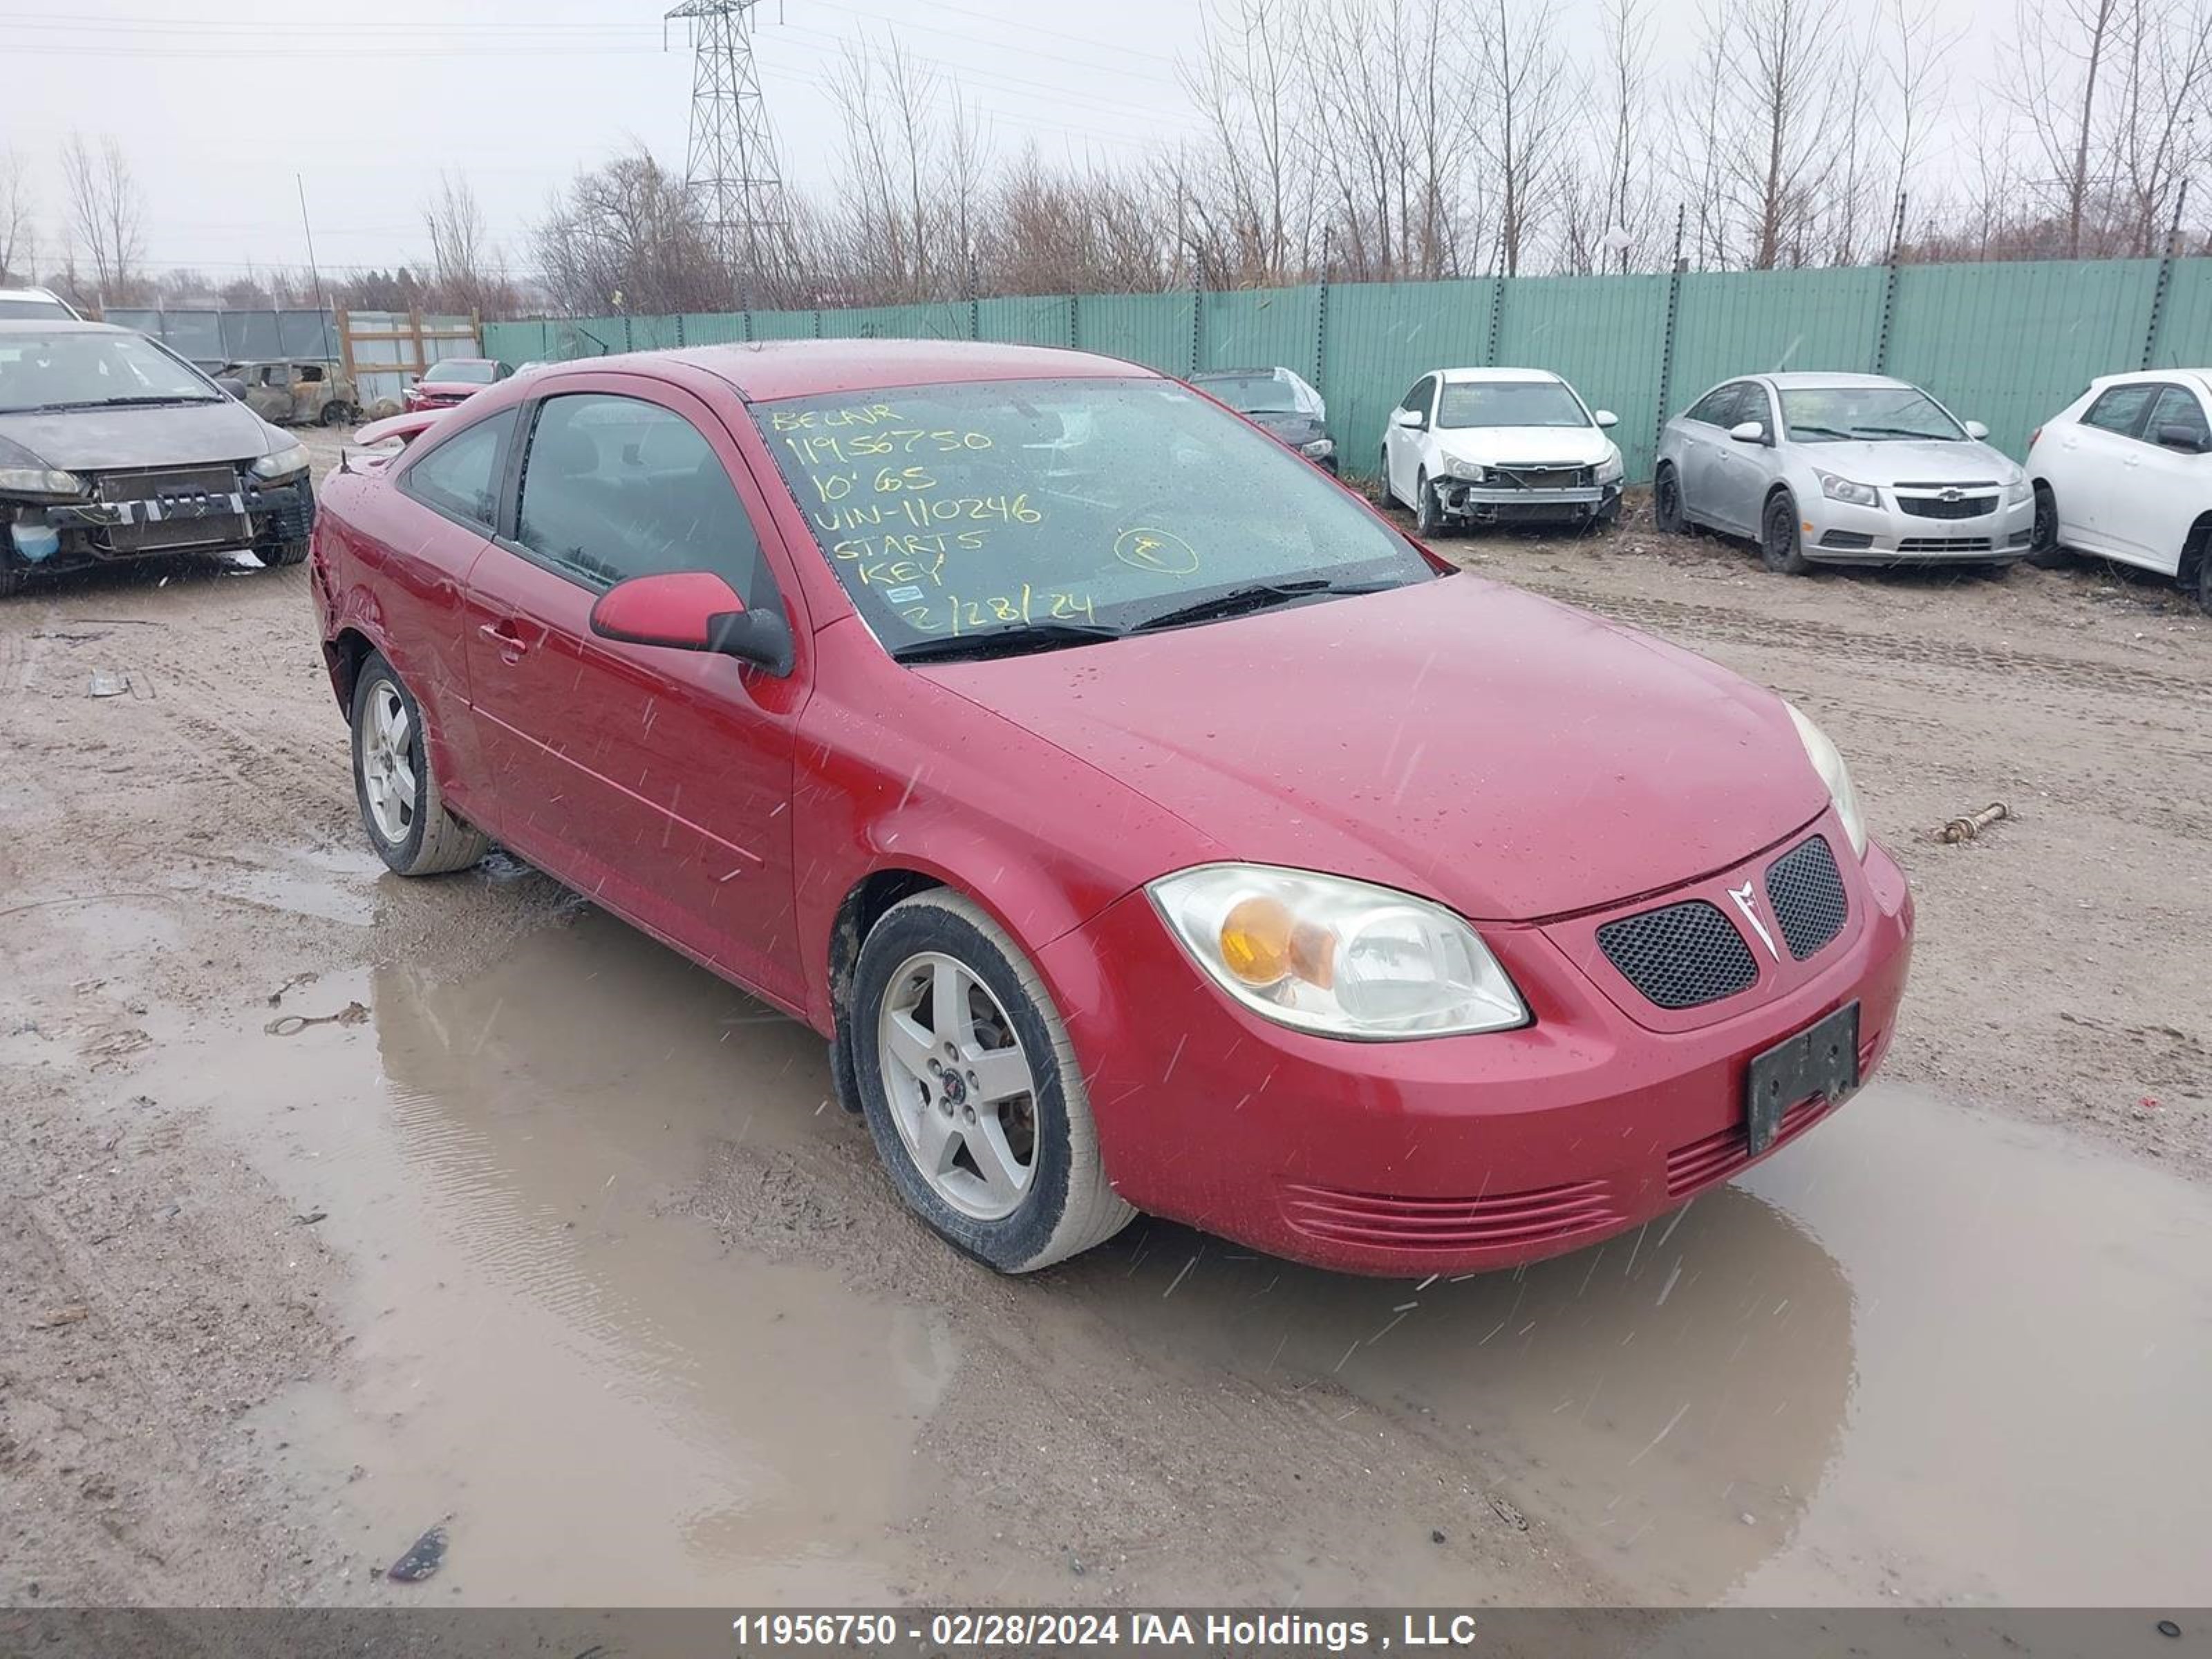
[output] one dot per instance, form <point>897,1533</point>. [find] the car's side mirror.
<point>693,611</point>
<point>1977,431</point>
<point>231,386</point>
<point>2186,439</point>
<point>1607,417</point>
<point>1749,432</point>
<point>1405,417</point>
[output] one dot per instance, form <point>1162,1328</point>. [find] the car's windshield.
<point>1840,414</point>
<point>470,374</point>
<point>18,308</point>
<point>1509,403</point>
<point>1256,394</point>
<point>82,370</point>
<point>1006,507</point>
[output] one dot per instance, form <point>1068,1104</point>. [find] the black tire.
<point>1781,547</point>
<point>281,553</point>
<point>2205,574</point>
<point>2044,551</point>
<point>432,840</point>
<point>1667,515</point>
<point>1069,1206</point>
<point>13,574</point>
<point>1384,498</point>
<point>1428,511</point>
<point>337,414</point>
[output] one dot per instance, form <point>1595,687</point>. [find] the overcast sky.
<point>218,103</point>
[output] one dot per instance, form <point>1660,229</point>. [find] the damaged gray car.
<point>112,447</point>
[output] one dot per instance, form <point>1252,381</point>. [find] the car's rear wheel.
<point>1780,544</point>
<point>281,553</point>
<point>972,1090</point>
<point>2044,551</point>
<point>1667,515</point>
<point>1428,511</point>
<point>337,414</point>
<point>401,805</point>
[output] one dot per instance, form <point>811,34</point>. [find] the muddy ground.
<point>535,1232</point>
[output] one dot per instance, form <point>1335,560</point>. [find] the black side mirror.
<point>231,386</point>
<point>2186,439</point>
<point>760,637</point>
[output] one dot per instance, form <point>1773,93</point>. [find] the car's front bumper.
<point>65,535</point>
<point>1486,503</point>
<point>1457,1153</point>
<point>1841,532</point>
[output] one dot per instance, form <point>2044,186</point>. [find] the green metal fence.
<point>2004,344</point>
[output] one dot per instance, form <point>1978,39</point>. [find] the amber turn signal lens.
<point>1263,944</point>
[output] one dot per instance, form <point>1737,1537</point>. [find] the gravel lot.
<point>541,1234</point>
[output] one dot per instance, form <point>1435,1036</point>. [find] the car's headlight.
<point>1473,471</point>
<point>1328,954</point>
<point>1842,490</point>
<point>1828,761</point>
<point>1610,471</point>
<point>40,481</point>
<point>282,463</point>
<point>1319,449</point>
<point>2018,489</point>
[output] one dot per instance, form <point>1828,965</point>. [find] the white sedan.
<point>2124,471</point>
<point>1487,446</point>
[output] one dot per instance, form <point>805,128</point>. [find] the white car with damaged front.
<point>1499,445</point>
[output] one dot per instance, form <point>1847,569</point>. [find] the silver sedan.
<point>1841,469</point>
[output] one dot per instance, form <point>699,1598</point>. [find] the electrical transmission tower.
<point>732,170</point>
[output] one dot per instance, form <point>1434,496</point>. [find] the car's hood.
<point>1511,756</point>
<point>103,439</point>
<point>453,390</point>
<point>1904,460</point>
<point>1524,445</point>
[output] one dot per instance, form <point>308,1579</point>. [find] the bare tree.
<point>463,264</point>
<point>1915,54</point>
<point>1529,94</point>
<point>106,215</point>
<point>1783,67</point>
<point>628,235</point>
<point>1252,193</point>
<point>18,227</point>
<point>1630,204</point>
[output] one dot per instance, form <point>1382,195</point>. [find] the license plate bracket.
<point>1823,1060</point>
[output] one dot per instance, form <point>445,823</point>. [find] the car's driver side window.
<point>615,487</point>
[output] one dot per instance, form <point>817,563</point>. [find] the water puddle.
<point>1923,1354</point>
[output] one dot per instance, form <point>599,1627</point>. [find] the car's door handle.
<point>508,637</point>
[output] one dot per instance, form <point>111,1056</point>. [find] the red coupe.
<point>1146,822</point>
<point>450,379</point>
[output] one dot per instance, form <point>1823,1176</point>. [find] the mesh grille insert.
<point>1682,957</point>
<point>1807,892</point>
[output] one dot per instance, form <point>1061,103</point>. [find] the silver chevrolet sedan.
<point>1841,469</point>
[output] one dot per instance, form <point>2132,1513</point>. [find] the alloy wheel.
<point>388,763</point>
<point>959,1085</point>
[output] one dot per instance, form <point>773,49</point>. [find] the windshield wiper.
<point>1905,432</point>
<point>109,403</point>
<point>1259,596</point>
<point>1003,641</point>
<point>1799,429</point>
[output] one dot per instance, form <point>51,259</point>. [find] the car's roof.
<point>1457,375</point>
<point>2203,376</point>
<point>1800,379</point>
<point>769,369</point>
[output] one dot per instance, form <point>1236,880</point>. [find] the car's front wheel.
<point>1780,544</point>
<point>1666,514</point>
<point>2044,551</point>
<point>1428,511</point>
<point>1382,495</point>
<point>971,1088</point>
<point>402,807</point>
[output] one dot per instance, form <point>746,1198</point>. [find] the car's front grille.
<point>1936,506</point>
<point>1542,477</point>
<point>1681,956</point>
<point>1807,892</point>
<point>178,508</point>
<point>1494,1220</point>
<point>1944,545</point>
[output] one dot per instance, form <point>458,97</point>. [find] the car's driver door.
<point>1402,445</point>
<point>656,780</point>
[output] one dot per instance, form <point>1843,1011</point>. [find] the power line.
<point>732,166</point>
